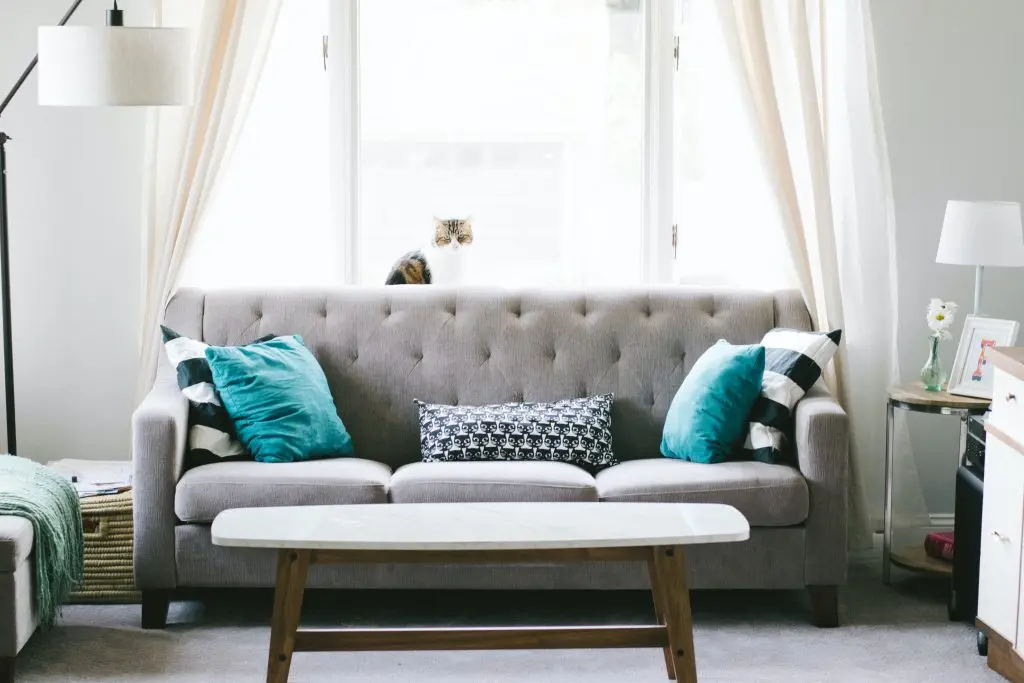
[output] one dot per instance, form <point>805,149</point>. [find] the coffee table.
<point>484,533</point>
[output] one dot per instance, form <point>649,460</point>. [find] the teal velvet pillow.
<point>277,397</point>
<point>709,413</point>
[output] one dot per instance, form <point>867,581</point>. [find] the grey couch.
<point>382,347</point>
<point>18,617</point>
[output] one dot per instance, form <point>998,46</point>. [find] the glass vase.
<point>931,373</point>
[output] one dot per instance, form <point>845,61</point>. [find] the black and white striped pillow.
<point>793,363</point>
<point>211,436</point>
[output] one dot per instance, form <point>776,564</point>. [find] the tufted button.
<point>516,310</point>
<point>417,356</point>
<point>517,396</point>
<point>618,355</point>
<point>487,354</point>
<point>354,357</point>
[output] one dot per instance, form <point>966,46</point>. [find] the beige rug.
<point>897,635</point>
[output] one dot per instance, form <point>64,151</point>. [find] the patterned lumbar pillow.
<point>576,431</point>
<point>211,436</point>
<point>793,363</point>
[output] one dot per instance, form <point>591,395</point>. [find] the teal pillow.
<point>709,413</point>
<point>278,399</point>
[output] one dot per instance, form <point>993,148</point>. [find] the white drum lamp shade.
<point>982,234</point>
<point>114,66</point>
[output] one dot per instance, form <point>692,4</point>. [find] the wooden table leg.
<point>292,566</point>
<point>674,594</point>
<point>659,611</point>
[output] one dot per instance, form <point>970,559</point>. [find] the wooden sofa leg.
<point>155,604</point>
<point>6,669</point>
<point>825,604</point>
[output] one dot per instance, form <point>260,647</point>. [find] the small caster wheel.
<point>982,643</point>
<point>953,607</point>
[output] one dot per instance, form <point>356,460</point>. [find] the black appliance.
<point>970,484</point>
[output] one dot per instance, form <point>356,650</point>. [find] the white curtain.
<point>188,148</point>
<point>808,67</point>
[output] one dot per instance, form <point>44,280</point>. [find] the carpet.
<point>895,634</point>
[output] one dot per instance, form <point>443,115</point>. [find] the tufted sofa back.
<point>381,347</point>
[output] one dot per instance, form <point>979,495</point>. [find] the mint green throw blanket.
<point>37,493</point>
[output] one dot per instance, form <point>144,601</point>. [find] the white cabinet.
<point>1008,405</point>
<point>1002,526</point>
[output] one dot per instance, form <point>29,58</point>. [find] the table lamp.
<point>91,66</point>
<point>980,234</point>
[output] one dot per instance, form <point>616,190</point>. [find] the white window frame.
<point>657,136</point>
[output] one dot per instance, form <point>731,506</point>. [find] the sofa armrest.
<point>822,436</point>
<point>159,430</point>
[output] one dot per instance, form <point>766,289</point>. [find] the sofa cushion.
<point>279,402</point>
<point>15,542</point>
<point>576,431</point>
<point>205,491</point>
<point>767,495</point>
<point>491,482</point>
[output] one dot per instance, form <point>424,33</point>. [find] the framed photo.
<point>972,373</point>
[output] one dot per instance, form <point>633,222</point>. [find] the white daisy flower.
<point>941,315</point>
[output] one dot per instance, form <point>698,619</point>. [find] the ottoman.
<point>17,608</point>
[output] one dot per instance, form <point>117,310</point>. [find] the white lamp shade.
<point>982,234</point>
<point>112,66</point>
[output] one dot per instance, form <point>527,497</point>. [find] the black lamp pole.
<point>5,261</point>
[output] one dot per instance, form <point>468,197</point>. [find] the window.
<point>525,114</point>
<point>270,221</point>
<point>730,231</point>
<point>561,127</point>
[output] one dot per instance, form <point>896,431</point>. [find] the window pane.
<point>524,114</point>
<point>729,225</point>
<point>269,224</point>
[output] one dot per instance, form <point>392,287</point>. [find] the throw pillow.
<point>793,363</point>
<point>279,402</point>
<point>708,414</point>
<point>211,438</point>
<point>576,431</point>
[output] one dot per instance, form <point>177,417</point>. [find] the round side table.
<point>913,397</point>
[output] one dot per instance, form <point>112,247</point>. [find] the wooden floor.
<point>673,633</point>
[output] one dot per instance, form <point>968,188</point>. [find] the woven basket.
<point>108,526</point>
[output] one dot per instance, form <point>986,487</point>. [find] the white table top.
<point>479,526</point>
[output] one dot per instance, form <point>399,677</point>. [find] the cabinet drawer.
<point>1008,404</point>
<point>1001,528</point>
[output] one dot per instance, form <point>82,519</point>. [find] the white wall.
<point>74,179</point>
<point>953,105</point>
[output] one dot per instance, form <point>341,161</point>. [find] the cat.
<point>449,235</point>
<point>453,232</point>
<point>411,269</point>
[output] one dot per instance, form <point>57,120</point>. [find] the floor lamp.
<point>90,66</point>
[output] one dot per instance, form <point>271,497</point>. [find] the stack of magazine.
<point>94,477</point>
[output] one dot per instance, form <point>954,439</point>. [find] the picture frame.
<point>972,373</point>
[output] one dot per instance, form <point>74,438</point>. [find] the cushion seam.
<point>498,483</point>
<point>281,484</point>
<point>723,490</point>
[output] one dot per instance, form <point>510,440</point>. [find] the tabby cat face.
<point>454,232</point>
